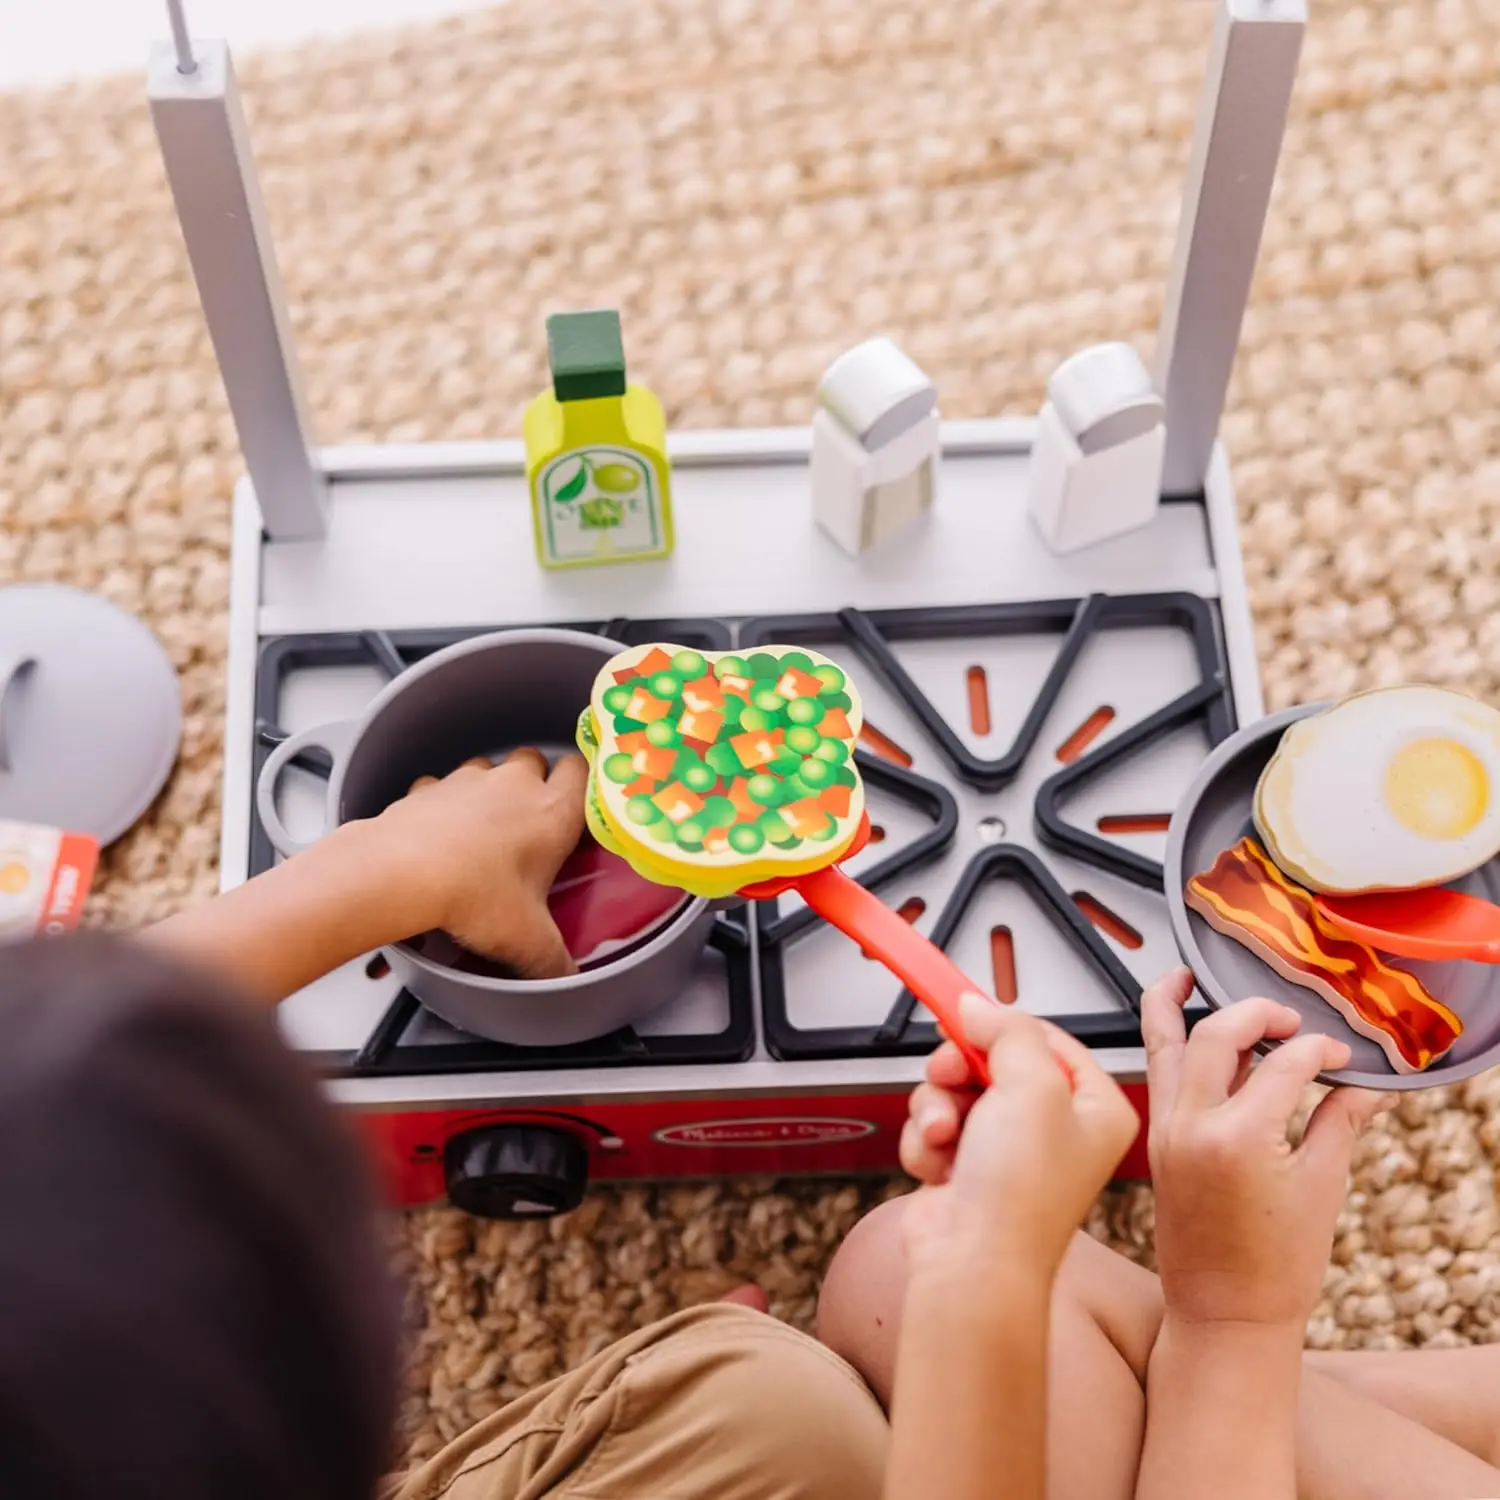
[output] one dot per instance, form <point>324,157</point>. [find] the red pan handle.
<point>922,966</point>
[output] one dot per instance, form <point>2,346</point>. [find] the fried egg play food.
<point>1389,790</point>
<point>712,771</point>
<point>1247,898</point>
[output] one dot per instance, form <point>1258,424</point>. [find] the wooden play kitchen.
<point>1042,669</point>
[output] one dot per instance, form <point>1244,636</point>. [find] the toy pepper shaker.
<point>596,452</point>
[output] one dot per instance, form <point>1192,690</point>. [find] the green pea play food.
<point>804,711</point>
<point>619,768</point>
<point>795,789</point>
<point>719,812</point>
<point>816,773</point>
<point>699,777</point>
<point>775,828</point>
<point>723,760</point>
<point>642,810</point>
<point>786,761</point>
<point>803,739</point>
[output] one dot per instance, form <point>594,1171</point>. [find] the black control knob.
<point>515,1171</point>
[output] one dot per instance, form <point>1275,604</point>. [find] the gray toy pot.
<point>481,697</point>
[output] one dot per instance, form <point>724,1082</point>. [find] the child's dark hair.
<point>194,1301</point>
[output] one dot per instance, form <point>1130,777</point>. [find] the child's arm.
<point>969,1417</point>
<point>474,854</point>
<point>1221,1410</point>
<point>1244,1226</point>
<point>1009,1175</point>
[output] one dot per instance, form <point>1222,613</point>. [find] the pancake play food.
<point>1246,897</point>
<point>713,771</point>
<point>1389,790</point>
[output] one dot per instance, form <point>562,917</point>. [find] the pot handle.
<point>13,669</point>
<point>335,739</point>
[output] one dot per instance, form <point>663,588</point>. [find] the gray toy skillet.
<point>1213,815</point>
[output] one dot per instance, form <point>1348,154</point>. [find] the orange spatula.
<point>733,773</point>
<point>920,965</point>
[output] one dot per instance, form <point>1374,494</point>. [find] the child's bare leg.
<point>1106,1313</point>
<point>1455,1392</point>
<point>1097,1414</point>
<point>1353,1448</point>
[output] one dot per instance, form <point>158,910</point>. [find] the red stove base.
<point>827,1135</point>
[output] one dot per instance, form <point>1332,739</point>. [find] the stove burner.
<point>386,1052</point>
<point>1078,918</point>
<point>1208,701</point>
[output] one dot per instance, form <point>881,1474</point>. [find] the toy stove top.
<point>1022,754</point>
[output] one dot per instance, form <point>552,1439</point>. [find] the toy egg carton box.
<point>45,876</point>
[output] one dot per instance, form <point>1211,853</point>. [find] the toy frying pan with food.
<point>727,774</point>
<point>1245,926</point>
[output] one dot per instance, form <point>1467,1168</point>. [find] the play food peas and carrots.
<point>736,762</point>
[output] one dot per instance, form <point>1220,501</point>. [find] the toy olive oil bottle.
<point>596,452</point>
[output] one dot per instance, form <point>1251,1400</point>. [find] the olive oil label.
<point>599,502</point>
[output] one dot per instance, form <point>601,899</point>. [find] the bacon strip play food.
<point>1247,898</point>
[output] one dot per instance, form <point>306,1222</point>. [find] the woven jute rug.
<point>758,186</point>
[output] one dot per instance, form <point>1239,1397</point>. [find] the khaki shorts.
<point>716,1403</point>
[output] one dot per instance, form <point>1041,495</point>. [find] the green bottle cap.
<point>586,355</point>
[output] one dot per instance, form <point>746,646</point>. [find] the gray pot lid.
<point>90,711</point>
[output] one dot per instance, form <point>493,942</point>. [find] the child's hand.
<point>1009,1173</point>
<point>1244,1223</point>
<point>479,851</point>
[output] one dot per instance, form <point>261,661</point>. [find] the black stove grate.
<point>385,1052</point>
<point>1076,620</point>
<point>871,636</point>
